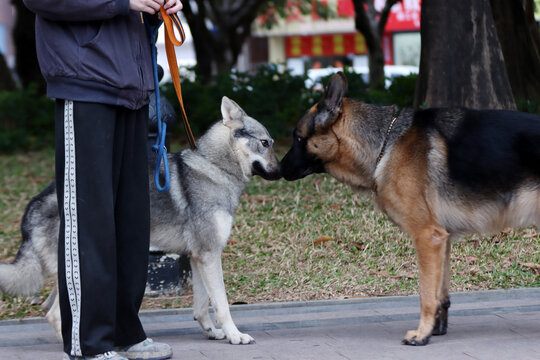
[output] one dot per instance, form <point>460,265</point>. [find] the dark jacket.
<point>93,51</point>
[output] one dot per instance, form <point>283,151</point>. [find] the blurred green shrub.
<point>275,98</point>
<point>26,120</point>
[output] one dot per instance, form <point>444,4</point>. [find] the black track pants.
<point>102,184</point>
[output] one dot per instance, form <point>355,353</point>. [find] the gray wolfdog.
<point>194,217</point>
<point>437,173</point>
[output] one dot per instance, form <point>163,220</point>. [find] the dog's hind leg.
<point>200,305</point>
<point>431,244</point>
<point>209,267</point>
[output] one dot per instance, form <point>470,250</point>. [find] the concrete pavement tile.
<point>498,325</point>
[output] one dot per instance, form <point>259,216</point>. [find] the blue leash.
<point>159,147</point>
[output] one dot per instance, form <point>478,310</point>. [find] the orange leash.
<point>171,22</point>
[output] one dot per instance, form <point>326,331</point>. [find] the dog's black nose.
<point>297,165</point>
<point>267,174</point>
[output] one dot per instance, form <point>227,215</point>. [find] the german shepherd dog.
<point>193,217</point>
<point>437,173</point>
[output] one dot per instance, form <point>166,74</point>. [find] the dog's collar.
<point>385,143</point>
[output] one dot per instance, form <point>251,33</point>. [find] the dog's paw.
<point>215,334</point>
<point>241,339</point>
<point>414,338</point>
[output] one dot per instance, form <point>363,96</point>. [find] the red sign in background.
<point>404,16</point>
<point>325,45</point>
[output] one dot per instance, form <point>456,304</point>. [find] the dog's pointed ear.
<point>232,114</point>
<point>331,104</point>
<point>335,91</point>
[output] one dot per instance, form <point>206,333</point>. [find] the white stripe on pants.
<point>73,278</point>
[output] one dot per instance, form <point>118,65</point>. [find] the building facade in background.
<point>306,42</point>
<point>300,42</point>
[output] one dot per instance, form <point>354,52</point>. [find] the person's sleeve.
<point>78,10</point>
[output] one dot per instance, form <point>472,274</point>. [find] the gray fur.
<point>193,217</point>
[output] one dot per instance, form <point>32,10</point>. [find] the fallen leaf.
<point>469,272</point>
<point>353,297</point>
<point>386,274</point>
<point>532,266</point>
<point>321,239</point>
<point>532,234</point>
<point>37,180</point>
<point>259,199</point>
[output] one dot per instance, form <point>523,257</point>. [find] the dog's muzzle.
<point>272,174</point>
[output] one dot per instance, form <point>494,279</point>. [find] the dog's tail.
<point>24,276</point>
<point>37,256</point>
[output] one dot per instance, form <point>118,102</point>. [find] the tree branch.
<point>385,14</point>
<point>363,24</point>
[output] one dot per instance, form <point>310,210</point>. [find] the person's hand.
<point>147,6</point>
<point>173,6</point>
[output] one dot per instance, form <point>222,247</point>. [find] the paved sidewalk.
<point>491,325</point>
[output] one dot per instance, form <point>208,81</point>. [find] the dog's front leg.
<point>431,243</point>
<point>200,305</point>
<point>52,308</point>
<point>209,266</point>
<point>441,320</point>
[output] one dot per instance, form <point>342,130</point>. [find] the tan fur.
<point>411,185</point>
<point>343,156</point>
<point>402,195</point>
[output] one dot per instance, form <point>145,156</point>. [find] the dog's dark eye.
<point>265,143</point>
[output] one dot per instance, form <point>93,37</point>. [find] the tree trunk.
<point>376,67</point>
<point>371,23</point>
<point>521,56</point>
<point>24,36</point>
<point>218,45</point>
<point>461,62</point>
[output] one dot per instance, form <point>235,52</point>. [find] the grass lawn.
<point>304,240</point>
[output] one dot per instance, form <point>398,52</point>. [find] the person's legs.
<point>87,243</point>
<point>132,214</point>
<point>133,239</point>
<point>103,192</point>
